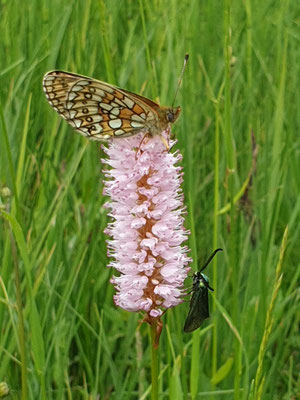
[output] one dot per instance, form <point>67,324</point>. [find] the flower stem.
<point>154,363</point>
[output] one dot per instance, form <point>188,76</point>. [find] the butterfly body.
<point>101,111</point>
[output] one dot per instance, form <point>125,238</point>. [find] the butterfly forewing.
<point>96,109</point>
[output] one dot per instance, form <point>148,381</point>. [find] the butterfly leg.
<point>140,145</point>
<point>162,138</point>
<point>165,142</point>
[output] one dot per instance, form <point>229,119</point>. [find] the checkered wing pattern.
<point>97,109</point>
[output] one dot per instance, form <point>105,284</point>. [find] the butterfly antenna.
<point>209,260</point>
<point>186,57</point>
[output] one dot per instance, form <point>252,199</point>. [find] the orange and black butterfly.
<point>101,111</point>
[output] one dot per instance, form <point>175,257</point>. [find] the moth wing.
<point>198,311</point>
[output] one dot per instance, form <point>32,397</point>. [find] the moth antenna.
<point>209,260</point>
<point>186,57</point>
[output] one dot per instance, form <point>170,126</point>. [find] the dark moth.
<point>199,310</point>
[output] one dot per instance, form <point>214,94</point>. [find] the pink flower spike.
<point>146,234</point>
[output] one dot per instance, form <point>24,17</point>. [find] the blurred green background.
<point>61,335</point>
